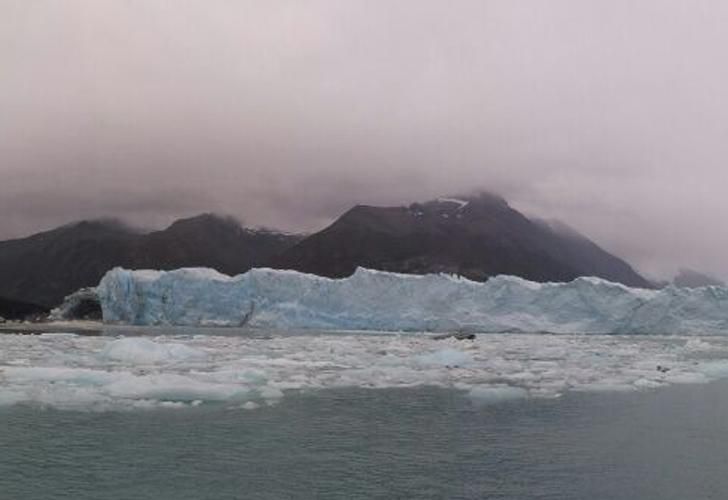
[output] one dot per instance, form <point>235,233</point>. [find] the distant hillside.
<point>46,267</point>
<point>477,237</point>
<point>210,241</point>
<point>687,278</point>
<point>12,309</point>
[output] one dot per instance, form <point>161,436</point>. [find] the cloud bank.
<point>609,115</point>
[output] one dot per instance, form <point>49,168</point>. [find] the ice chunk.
<point>374,300</point>
<point>445,357</point>
<point>698,345</point>
<point>144,351</point>
<point>484,395</point>
<point>173,387</point>
<point>715,369</point>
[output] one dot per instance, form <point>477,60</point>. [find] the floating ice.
<point>374,300</point>
<point>445,357</point>
<point>142,350</point>
<point>102,373</point>
<point>484,395</point>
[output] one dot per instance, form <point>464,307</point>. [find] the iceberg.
<point>381,301</point>
<point>147,351</point>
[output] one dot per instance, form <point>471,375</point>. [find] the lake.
<point>269,416</point>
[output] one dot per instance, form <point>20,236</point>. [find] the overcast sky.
<point>611,115</point>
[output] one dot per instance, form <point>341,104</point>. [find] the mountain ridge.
<point>477,237</point>
<point>45,267</point>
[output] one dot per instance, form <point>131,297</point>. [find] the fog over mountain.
<point>477,238</point>
<point>608,115</point>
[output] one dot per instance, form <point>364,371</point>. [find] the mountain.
<point>477,237</point>
<point>13,309</point>
<point>688,278</point>
<point>210,241</point>
<point>46,267</point>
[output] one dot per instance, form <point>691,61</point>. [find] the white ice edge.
<point>380,301</point>
<point>98,373</point>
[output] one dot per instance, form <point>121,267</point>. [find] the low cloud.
<point>608,115</point>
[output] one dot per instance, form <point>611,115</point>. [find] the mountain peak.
<point>103,224</point>
<point>45,267</point>
<point>477,236</point>
<point>207,219</point>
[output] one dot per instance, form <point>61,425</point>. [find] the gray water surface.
<point>422,443</point>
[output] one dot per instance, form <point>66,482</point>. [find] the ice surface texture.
<point>375,300</point>
<point>243,372</point>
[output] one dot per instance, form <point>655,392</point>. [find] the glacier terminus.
<point>381,301</point>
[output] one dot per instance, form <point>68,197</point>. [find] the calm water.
<point>385,443</point>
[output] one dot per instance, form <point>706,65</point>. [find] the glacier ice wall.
<point>375,300</point>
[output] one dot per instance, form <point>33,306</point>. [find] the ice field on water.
<point>616,402</point>
<point>248,368</point>
<point>244,370</point>
<point>169,414</point>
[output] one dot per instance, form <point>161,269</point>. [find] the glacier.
<point>381,301</point>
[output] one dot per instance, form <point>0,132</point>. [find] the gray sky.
<point>608,114</point>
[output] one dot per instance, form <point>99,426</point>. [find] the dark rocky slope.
<point>46,267</point>
<point>14,310</point>
<point>477,237</point>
